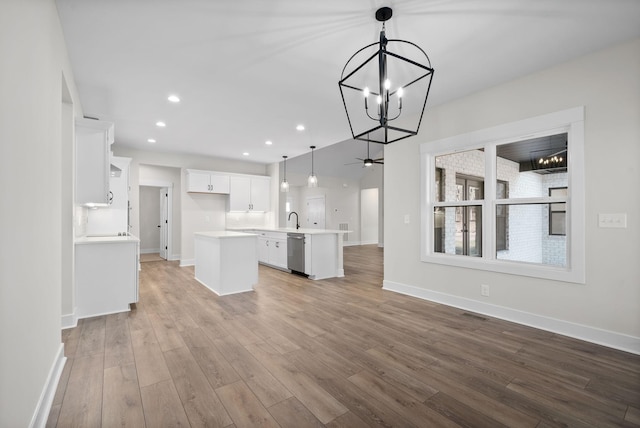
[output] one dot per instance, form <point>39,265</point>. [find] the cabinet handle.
<point>277,245</point>
<point>267,243</point>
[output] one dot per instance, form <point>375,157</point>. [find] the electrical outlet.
<point>484,290</point>
<point>612,220</point>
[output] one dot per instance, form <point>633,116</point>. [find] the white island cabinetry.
<point>226,262</point>
<point>323,253</point>
<point>272,249</point>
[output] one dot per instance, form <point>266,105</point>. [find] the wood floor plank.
<point>319,402</point>
<point>82,403</point>
<point>92,337</point>
<point>162,406</point>
<point>118,349</point>
<point>166,332</point>
<point>291,413</point>
<point>245,408</point>
<point>121,402</point>
<point>201,404</point>
<point>264,385</point>
<point>150,363</point>
<point>214,366</point>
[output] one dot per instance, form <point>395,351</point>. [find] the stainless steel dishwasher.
<point>295,252</point>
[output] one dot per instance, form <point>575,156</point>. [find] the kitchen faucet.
<point>297,224</point>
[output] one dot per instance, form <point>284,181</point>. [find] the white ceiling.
<point>248,71</point>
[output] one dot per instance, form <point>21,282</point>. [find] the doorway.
<point>316,212</point>
<point>369,207</point>
<point>155,221</point>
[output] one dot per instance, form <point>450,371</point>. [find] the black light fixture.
<point>284,184</point>
<point>398,83</point>
<point>312,180</point>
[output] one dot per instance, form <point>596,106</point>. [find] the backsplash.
<point>236,220</point>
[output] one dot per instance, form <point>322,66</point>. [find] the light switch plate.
<point>406,219</point>
<point>612,220</point>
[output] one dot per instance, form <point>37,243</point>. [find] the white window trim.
<point>570,121</point>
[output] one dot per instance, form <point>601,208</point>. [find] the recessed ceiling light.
<point>174,98</point>
<point>151,140</point>
<point>268,142</point>
<point>161,124</point>
<point>245,154</point>
<point>300,127</point>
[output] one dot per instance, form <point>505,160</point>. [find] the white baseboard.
<point>149,250</point>
<point>69,321</point>
<point>187,262</point>
<point>350,243</point>
<point>174,257</point>
<point>41,414</point>
<point>610,339</point>
<point>368,242</point>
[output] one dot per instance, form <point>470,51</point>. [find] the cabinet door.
<point>92,161</point>
<point>239,193</point>
<point>259,194</point>
<point>219,183</point>
<point>199,182</point>
<point>279,254</point>
<point>263,249</point>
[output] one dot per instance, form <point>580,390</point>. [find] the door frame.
<point>169,229</point>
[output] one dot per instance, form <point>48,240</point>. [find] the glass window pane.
<point>469,164</point>
<point>458,230</point>
<point>529,239</point>
<point>531,167</point>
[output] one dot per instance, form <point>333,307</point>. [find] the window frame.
<point>570,121</point>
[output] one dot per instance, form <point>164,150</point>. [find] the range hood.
<point>115,171</point>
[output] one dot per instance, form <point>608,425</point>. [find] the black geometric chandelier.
<point>385,93</point>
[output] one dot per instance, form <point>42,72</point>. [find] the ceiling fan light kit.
<point>398,84</point>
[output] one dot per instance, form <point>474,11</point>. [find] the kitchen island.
<point>226,261</point>
<point>323,255</point>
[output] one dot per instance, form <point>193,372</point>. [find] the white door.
<point>164,222</point>
<point>315,212</point>
<point>369,216</point>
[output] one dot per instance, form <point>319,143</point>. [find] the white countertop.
<point>292,230</point>
<point>106,239</point>
<point>222,234</point>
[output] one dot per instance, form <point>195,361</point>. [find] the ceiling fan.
<point>368,161</point>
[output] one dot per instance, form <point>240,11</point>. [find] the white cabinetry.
<point>93,141</point>
<point>249,193</point>
<point>106,274</point>
<point>207,182</point>
<point>272,249</point>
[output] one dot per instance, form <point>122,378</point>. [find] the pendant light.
<point>397,83</point>
<point>284,185</point>
<point>312,181</point>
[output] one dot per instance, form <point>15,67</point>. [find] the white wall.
<point>607,307</point>
<point>33,60</point>
<point>369,216</point>
<point>342,203</point>
<point>374,179</point>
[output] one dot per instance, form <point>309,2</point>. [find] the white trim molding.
<point>41,413</point>
<point>598,336</point>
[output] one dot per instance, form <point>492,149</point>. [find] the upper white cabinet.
<point>249,193</point>
<point>207,182</point>
<point>93,141</point>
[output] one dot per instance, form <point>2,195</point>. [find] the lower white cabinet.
<point>106,275</point>
<point>272,249</point>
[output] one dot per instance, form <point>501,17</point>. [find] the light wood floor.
<point>337,353</point>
